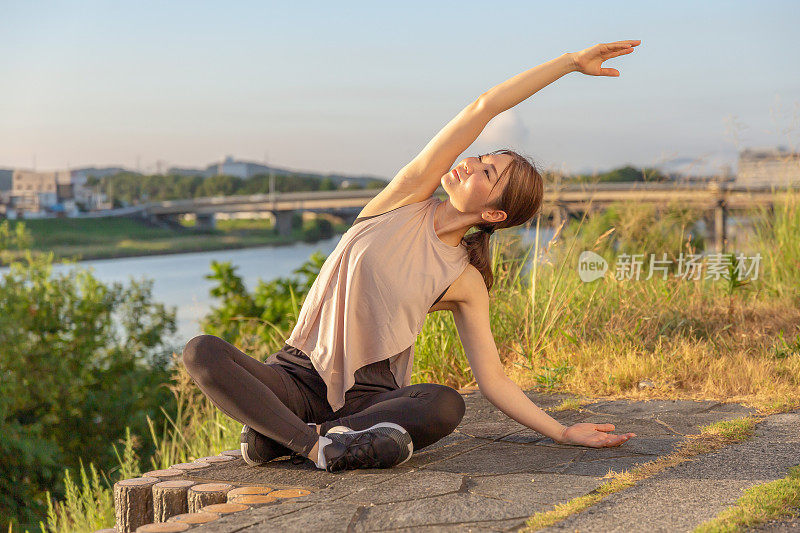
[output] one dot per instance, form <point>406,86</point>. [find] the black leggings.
<point>277,399</point>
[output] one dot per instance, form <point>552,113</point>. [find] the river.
<point>178,279</point>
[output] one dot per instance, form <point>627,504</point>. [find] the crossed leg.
<point>266,399</point>
<point>252,392</point>
<point>428,412</point>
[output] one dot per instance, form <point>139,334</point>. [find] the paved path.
<point>686,495</point>
<point>491,474</point>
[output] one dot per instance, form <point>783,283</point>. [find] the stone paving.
<point>491,474</point>
<point>695,491</point>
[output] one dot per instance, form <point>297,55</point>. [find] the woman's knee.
<point>449,407</point>
<point>200,353</point>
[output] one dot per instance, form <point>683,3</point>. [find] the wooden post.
<point>216,459</point>
<point>224,508</point>
<point>720,225</point>
<point>247,491</point>
<point>206,494</point>
<point>718,192</point>
<point>133,503</point>
<point>189,467</point>
<point>171,527</point>
<point>253,499</point>
<point>194,518</point>
<point>170,498</point>
<point>164,475</point>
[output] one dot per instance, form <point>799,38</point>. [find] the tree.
<point>269,312</point>
<point>72,377</point>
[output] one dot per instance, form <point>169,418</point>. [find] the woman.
<point>339,391</point>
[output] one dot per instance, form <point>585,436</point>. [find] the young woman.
<point>339,391</point>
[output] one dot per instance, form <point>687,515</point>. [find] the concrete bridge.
<point>560,202</point>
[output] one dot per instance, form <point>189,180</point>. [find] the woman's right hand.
<point>588,434</point>
<point>589,60</point>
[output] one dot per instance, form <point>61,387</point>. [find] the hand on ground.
<point>593,435</point>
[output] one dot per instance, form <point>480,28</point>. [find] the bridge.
<point>717,199</point>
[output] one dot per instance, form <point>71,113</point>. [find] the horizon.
<point>360,89</point>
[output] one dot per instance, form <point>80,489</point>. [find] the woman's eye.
<point>487,172</point>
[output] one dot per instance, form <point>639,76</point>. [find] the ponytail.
<point>477,243</point>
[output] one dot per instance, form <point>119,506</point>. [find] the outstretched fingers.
<point>616,440</point>
<point>611,440</point>
<point>623,44</point>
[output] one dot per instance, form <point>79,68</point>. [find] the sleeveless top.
<point>372,294</point>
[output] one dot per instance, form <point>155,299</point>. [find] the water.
<point>178,279</point>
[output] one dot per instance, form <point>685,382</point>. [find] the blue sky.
<point>361,87</point>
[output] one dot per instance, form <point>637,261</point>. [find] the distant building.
<point>6,179</point>
<point>228,167</point>
<point>764,167</point>
<point>100,172</point>
<point>6,182</point>
<point>40,194</point>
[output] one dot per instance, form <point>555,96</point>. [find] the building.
<point>6,179</point>
<point>97,172</point>
<point>42,194</point>
<point>228,167</point>
<point>765,167</point>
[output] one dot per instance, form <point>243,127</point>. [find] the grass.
<point>198,430</point>
<point>601,339</point>
<point>779,498</point>
<point>711,437</point>
<point>571,404</point>
<point>110,237</point>
<point>556,333</point>
<point>89,503</point>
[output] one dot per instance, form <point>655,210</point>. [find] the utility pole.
<point>271,180</point>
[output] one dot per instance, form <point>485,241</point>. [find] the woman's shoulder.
<point>388,199</point>
<point>463,290</point>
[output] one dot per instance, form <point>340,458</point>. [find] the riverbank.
<point>112,238</point>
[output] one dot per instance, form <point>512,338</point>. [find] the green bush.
<point>80,362</point>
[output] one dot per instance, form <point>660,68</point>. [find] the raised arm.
<point>421,177</point>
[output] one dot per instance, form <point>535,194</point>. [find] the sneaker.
<point>338,429</point>
<point>258,449</point>
<point>383,445</point>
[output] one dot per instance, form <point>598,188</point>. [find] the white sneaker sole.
<point>243,447</point>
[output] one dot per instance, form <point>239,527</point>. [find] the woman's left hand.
<point>590,59</point>
<point>593,435</point>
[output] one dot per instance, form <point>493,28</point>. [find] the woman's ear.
<point>493,216</point>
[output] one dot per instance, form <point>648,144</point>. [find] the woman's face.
<point>473,182</point>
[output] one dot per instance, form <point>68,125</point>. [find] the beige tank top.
<point>372,294</point>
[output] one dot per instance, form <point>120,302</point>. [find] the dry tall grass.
<point>678,338</point>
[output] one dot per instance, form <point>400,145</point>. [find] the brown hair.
<point>521,200</point>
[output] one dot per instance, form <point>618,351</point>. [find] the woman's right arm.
<point>524,85</point>
<point>420,178</point>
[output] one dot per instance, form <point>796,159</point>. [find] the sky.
<point>361,87</point>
